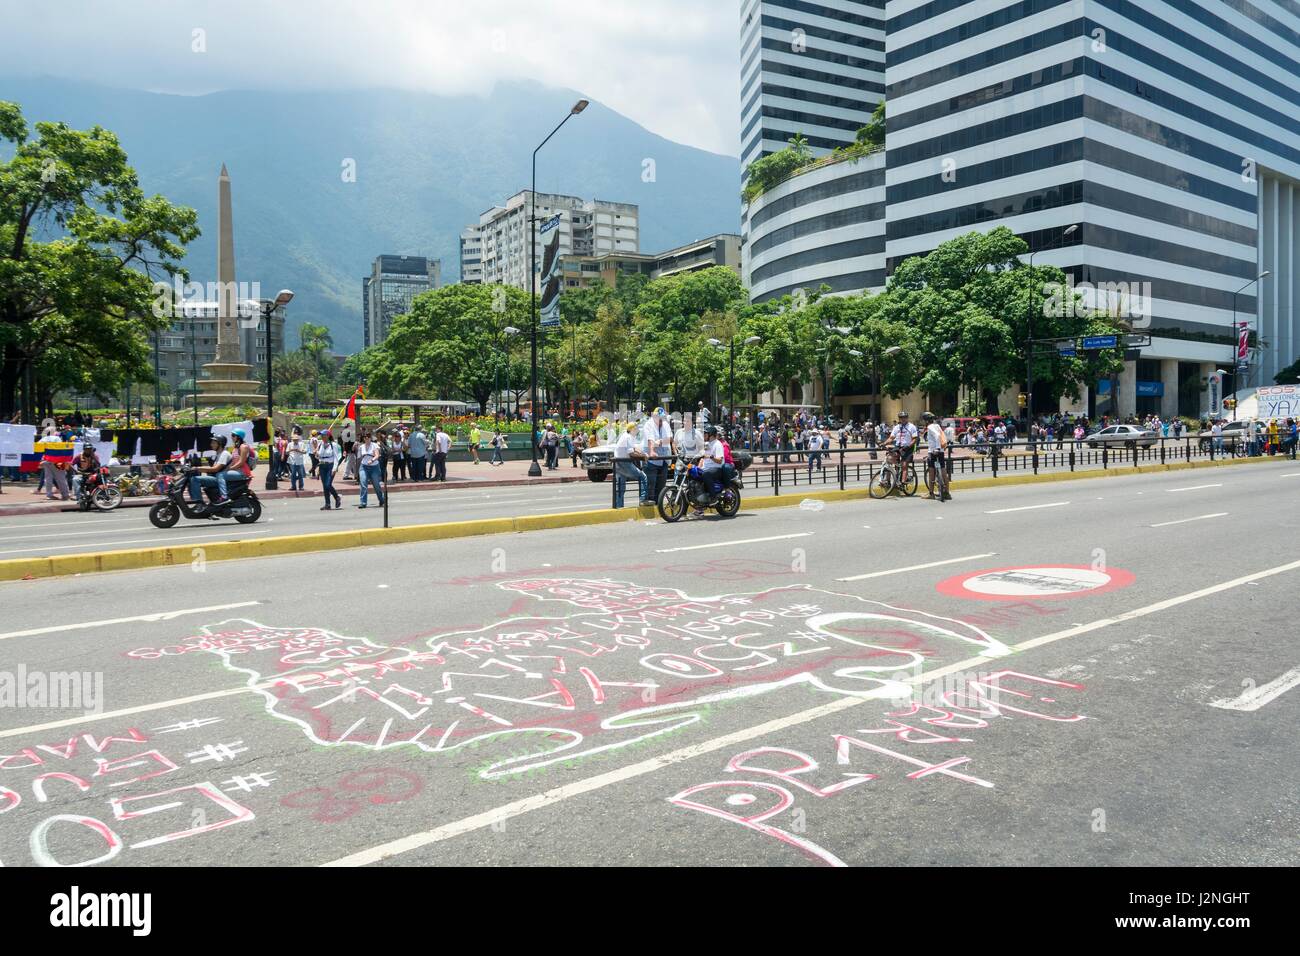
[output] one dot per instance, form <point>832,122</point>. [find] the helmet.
<point>327,434</point>
<point>710,429</point>
<point>314,433</point>
<point>219,440</point>
<point>902,414</point>
<point>660,412</point>
<point>239,433</point>
<point>928,416</point>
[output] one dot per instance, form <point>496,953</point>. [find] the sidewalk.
<point>18,499</point>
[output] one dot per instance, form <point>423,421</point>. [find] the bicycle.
<point>890,478</point>
<point>936,472</point>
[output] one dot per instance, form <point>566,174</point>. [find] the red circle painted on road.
<point>1036,582</point>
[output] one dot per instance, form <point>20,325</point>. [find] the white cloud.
<point>671,65</point>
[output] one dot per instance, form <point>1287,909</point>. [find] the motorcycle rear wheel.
<point>729,503</point>
<point>256,513</point>
<point>164,514</point>
<point>672,503</point>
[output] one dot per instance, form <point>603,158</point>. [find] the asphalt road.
<point>1115,689</point>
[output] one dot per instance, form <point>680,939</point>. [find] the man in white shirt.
<point>657,443</point>
<point>688,442</point>
<point>627,451</point>
<point>441,446</point>
<point>297,461</point>
<point>937,445</point>
<point>903,437</point>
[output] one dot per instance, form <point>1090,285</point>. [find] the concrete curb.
<point>139,558</point>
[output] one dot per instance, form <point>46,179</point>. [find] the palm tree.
<point>315,341</point>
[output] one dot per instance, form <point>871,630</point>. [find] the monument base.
<point>228,383</point>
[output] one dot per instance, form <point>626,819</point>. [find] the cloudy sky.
<point>671,65</point>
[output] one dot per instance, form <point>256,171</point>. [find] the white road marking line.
<point>70,534</point>
<point>1257,697</point>
<point>579,787</point>
<point>158,616</point>
<point>1193,488</point>
<point>1007,511</point>
<point>917,567</point>
<point>156,542</point>
<point>725,544</point>
<point>1166,524</point>
<point>1294,474</point>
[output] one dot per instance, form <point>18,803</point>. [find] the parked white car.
<point>1127,435</point>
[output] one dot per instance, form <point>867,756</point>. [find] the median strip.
<point>169,556</point>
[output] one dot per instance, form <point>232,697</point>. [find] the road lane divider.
<point>161,556</point>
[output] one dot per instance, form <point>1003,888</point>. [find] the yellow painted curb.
<point>136,559</point>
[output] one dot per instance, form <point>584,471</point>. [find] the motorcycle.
<point>98,491</point>
<point>687,486</point>
<point>243,505</point>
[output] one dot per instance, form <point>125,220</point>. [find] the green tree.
<point>451,344</point>
<point>315,342</point>
<point>76,309</point>
<point>1289,375</point>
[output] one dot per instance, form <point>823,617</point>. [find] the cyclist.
<point>936,443</point>
<point>903,437</point>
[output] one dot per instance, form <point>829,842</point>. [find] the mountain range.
<point>425,167</point>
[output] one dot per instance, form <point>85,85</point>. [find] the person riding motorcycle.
<point>211,476</point>
<point>87,464</point>
<point>711,463</point>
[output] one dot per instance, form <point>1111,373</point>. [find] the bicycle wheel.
<point>882,483</point>
<point>930,479</point>
<point>909,486</point>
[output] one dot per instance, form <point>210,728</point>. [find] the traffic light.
<point>1023,400</point>
<point>1229,403</point>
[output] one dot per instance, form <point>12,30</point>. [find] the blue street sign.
<point>1151,389</point>
<point>1067,353</point>
<point>1100,342</point>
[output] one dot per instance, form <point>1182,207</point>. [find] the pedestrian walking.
<point>329,455</point>
<point>475,440</point>
<point>368,463</point>
<point>499,445</point>
<point>578,444</point>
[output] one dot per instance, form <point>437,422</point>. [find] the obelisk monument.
<point>228,378</point>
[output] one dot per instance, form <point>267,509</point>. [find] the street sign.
<point>1067,352</point>
<point>1092,342</point>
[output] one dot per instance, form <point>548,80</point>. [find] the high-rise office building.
<point>471,256</point>
<point>586,228</point>
<point>1167,134</point>
<point>812,68</point>
<point>394,281</point>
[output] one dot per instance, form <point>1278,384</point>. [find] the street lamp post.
<point>194,365</point>
<point>535,469</point>
<point>268,308</point>
<point>1029,342</point>
<point>731,383</point>
<point>157,381</point>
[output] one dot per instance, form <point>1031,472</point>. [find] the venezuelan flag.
<point>60,452</point>
<point>30,462</point>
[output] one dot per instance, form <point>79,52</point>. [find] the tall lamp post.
<point>535,469</point>
<point>1236,358</point>
<point>1029,342</point>
<point>731,383</point>
<point>268,308</point>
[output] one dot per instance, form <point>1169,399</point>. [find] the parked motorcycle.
<point>98,491</point>
<point>243,505</point>
<point>689,487</point>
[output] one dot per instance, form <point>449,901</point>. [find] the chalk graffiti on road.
<point>114,767</point>
<point>353,792</point>
<point>630,664</point>
<point>774,775</point>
